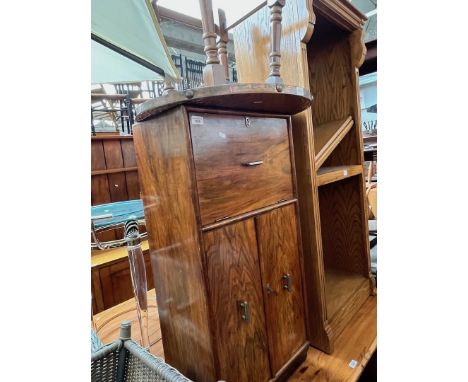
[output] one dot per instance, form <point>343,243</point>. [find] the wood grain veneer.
<point>279,256</point>
<point>164,162</point>
<point>222,148</point>
<point>233,276</point>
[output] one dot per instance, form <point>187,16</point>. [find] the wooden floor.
<point>357,342</point>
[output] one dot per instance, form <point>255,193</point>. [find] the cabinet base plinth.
<point>287,370</point>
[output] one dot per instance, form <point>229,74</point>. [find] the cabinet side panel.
<point>318,330</point>
<point>233,277</point>
<point>164,163</point>
<point>279,257</point>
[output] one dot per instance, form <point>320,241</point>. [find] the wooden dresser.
<point>218,182</point>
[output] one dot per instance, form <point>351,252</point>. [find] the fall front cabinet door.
<point>252,271</point>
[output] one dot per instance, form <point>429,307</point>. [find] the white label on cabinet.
<point>197,120</point>
<point>345,172</point>
<point>353,364</point>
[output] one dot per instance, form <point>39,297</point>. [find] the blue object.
<point>117,212</point>
<point>96,342</point>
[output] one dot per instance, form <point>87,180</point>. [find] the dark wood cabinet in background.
<point>111,283</point>
<point>114,174</point>
<point>221,213</point>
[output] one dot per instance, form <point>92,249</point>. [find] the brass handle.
<point>287,282</point>
<point>253,163</point>
<point>245,313</point>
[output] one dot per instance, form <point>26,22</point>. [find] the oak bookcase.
<point>321,50</point>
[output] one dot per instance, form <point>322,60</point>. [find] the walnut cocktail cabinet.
<point>218,183</point>
<point>321,50</point>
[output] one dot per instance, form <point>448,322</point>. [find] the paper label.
<point>353,364</point>
<point>345,172</point>
<point>197,120</point>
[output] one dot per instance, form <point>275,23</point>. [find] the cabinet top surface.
<point>247,97</point>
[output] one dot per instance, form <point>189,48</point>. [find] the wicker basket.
<point>125,360</point>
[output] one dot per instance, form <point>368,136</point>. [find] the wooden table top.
<point>353,348</point>
<point>108,323</point>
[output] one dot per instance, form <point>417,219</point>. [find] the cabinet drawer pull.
<point>253,163</point>
<point>287,282</point>
<point>245,313</point>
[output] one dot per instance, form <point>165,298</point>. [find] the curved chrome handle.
<point>253,163</point>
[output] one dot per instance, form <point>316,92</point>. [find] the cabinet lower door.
<point>235,291</point>
<point>282,285</point>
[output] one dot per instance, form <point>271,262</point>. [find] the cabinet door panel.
<point>240,167</point>
<point>280,268</point>
<point>234,276</point>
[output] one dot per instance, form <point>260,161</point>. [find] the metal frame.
<point>123,52</point>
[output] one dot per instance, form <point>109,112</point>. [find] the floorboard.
<point>357,343</point>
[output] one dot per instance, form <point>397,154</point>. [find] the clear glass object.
<point>93,322</point>
<point>138,276</point>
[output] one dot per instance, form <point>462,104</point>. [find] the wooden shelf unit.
<point>322,52</point>
<point>334,83</point>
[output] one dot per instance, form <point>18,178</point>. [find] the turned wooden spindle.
<point>213,73</point>
<point>222,43</point>
<point>168,85</point>
<point>276,8</point>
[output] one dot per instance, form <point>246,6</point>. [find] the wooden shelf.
<point>113,170</point>
<point>326,175</point>
<point>327,136</point>
<point>107,256</point>
<point>340,286</point>
<point>108,323</point>
<point>109,137</point>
